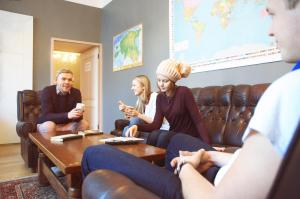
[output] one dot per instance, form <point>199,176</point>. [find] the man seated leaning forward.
<point>58,103</point>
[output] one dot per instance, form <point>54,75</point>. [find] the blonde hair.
<point>144,98</point>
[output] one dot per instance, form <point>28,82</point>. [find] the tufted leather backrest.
<point>226,110</point>
<point>214,105</point>
<point>29,105</point>
<point>244,100</point>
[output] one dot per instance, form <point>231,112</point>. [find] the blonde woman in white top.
<point>145,108</point>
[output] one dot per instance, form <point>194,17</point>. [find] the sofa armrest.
<point>106,184</point>
<point>121,123</point>
<point>119,126</point>
<point>23,128</point>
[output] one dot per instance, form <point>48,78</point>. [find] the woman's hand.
<point>132,131</point>
<point>132,112</point>
<point>122,106</point>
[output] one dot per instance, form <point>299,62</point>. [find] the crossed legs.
<point>49,128</point>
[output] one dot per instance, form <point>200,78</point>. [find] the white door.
<point>16,46</point>
<point>89,85</point>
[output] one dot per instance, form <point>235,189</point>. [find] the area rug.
<point>25,188</point>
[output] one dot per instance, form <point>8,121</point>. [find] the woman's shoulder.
<point>153,97</point>
<point>183,89</point>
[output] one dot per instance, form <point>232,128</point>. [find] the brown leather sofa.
<point>226,111</point>
<point>29,109</point>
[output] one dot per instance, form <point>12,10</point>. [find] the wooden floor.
<point>11,163</point>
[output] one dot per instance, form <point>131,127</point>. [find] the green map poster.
<point>218,34</point>
<point>128,48</point>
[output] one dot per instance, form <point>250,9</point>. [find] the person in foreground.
<point>176,104</point>
<point>253,169</point>
<point>145,108</point>
<point>58,103</point>
<point>250,172</point>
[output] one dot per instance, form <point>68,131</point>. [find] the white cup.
<point>80,107</point>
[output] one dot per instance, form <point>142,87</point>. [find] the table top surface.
<point>67,155</point>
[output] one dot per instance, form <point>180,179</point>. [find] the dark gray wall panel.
<point>120,15</point>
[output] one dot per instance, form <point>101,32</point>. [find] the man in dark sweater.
<point>59,111</point>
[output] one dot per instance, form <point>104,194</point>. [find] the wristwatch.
<point>179,167</point>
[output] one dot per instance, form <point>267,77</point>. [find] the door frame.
<point>100,75</point>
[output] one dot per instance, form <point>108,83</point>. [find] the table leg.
<point>74,182</point>
<point>43,181</point>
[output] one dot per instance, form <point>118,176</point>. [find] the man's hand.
<point>75,113</point>
<point>199,160</point>
<point>132,131</point>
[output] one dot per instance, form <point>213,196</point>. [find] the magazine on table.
<point>121,140</point>
<point>90,132</point>
<point>61,138</point>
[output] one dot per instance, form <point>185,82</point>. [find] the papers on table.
<point>121,140</point>
<point>90,132</point>
<point>61,138</point>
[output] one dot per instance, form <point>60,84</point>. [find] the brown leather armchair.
<point>29,109</point>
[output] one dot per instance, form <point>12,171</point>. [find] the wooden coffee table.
<point>67,157</point>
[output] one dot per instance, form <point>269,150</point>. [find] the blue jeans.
<point>133,121</point>
<point>186,142</point>
<point>153,178</point>
<point>160,138</point>
<point>156,179</point>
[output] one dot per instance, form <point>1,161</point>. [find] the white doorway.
<point>16,70</point>
<point>85,61</point>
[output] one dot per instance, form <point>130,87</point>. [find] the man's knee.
<point>47,127</point>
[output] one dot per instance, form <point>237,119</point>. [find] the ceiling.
<point>93,3</point>
<point>71,46</point>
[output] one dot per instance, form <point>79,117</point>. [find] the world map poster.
<point>128,48</point>
<point>218,34</point>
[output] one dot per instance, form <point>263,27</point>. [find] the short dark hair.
<point>291,4</point>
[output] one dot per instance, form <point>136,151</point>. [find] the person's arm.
<point>252,172</point>
<point>194,113</point>
<point>155,124</point>
<point>135,113</point>
<point>122,106</point>
<point>219,158</point>
<point>157,121</point>
<point>150,109</point>
<point>201,159</point>
<point>146,118</point>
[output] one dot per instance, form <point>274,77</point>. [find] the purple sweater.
<point>55,107</point>
<point>181,112</point>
